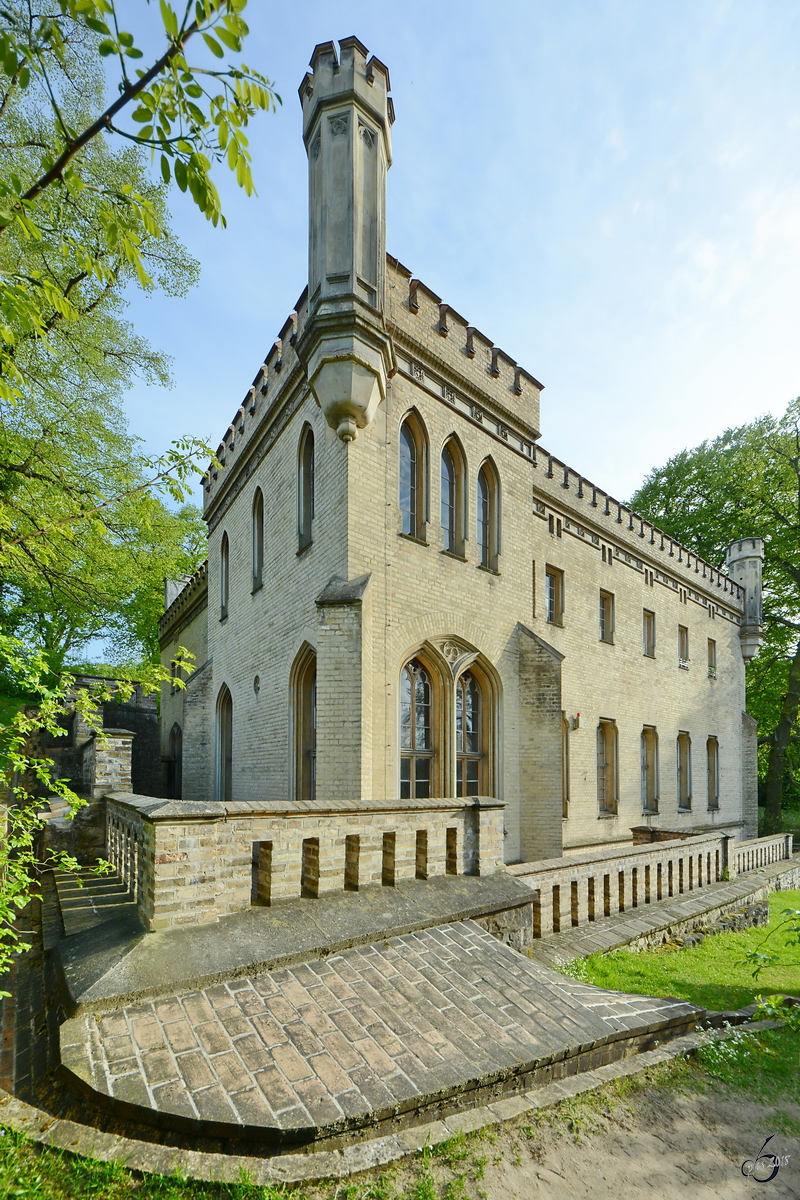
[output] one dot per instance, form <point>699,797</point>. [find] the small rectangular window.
<point>649,633</point>
<point>712,658</point>
<point>683,647</point>
<point>607,768</point>
<point>606,617</point>
<point>554,595</point>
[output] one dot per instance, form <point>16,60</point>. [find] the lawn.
<point>711,974</point>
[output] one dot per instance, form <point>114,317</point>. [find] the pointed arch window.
<point>224,576</point>
<point>452,498</point>
<point>416,732</point>
<point>258,539</point>
<point>175,763</point>
<point>305,723</point>
<point>488,517</point>
<point>224,746</point>
<point>305,489</point>
<point>412,478</point>
<point>469,737</point>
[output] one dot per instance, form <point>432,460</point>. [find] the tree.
<point>746,483</point>
<point>77,222</point>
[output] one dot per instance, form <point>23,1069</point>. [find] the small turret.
<point>744,562</point>
<point>345,348</point>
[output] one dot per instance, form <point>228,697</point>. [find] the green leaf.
<point>213,46</point>
<point>133,53</point>
<point>170,19</point>
<point>179,169</point>
<point>106,48</point>
<point>231,40</point>
<point>165,172</point>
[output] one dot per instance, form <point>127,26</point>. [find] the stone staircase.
<point>89,900</point>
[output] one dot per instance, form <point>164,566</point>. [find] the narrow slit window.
<point>649,756</point>
<point>305,490</point>
<point>258,539</point>
<point>684,749</point>
<point>606,617</point>
<point>649,633</point>
<point>607,769</point>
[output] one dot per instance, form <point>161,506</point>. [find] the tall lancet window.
<point>488,516</point>
<point>409,480</point>
<point>469,736</point>
<point>224,745</point>
<point>305,489</point>
<point>224,576</point>
<point>258,539</point>
<point>416,736</point>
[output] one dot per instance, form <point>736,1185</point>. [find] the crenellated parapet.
<point>426,329</point>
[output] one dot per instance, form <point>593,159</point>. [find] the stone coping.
<point>159,809</point>
<point>117,962</point>
<point>543,866</point>
<point>137,1155</point>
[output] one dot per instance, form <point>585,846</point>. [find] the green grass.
<point>707,974</point>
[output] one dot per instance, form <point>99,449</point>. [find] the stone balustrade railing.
<point>759,852</point>
<point>570,892</point>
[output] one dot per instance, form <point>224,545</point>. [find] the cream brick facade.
<point>367,599</point>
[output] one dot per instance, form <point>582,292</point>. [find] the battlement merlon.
<point>345,346</point>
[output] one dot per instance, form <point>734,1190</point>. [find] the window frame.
<point>305,489</point>
<point>606,617</point>
<point>224,746</point>
<point>553,595</point>
<point>649,769</point>
<point>455,530</point>
<point>683,647</point>
<point>412,753</point>
<point>414,517</point>
<point>683,748</point>
<point>608,741</point>
<point>712,772</point>
<point>487,516</point>
<point>712,658</point>
<point>305,721</point>
<point>648,633</point>
<point>480,756</point>
<point>224,576</point>
<point>258,539</point>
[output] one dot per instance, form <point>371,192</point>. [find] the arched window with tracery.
<point>452,498</point>
<point>258,539</point>
<point>488,516</point>
<point>416,732</point>
<point>224,746</point>
<point>224,576</point>
<point>470,749</point>
<point>305,489</point>
<point>412,477</point>
<point>304,688</point>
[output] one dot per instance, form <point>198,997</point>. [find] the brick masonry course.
<point>439,1019</point>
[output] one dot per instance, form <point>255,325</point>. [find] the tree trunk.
<point>779,745</point>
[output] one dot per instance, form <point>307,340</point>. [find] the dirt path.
<point>659,1143</point>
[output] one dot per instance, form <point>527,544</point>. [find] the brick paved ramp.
<point>423,1024</point>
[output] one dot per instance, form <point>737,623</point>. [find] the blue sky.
<point>609,189</point>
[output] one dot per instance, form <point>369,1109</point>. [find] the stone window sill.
<point>410,537</point>
<point>452,554</point>
<point>488,570</point>
<point>607,816</point>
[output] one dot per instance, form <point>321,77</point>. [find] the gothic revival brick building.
<point>407,597</point>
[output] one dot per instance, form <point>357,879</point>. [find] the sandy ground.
<point>660,1145</point>
<point>656,1143</point>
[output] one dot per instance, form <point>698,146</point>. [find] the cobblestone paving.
<point>368,1030</point>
